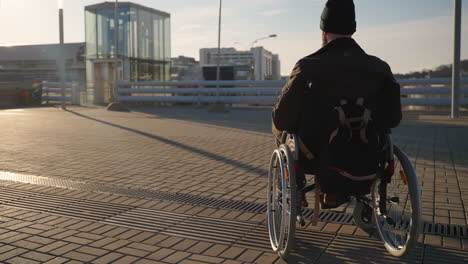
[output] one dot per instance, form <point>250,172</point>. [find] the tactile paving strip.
<point>60,205</point>
<point>14,196</point>
<point>138,193</point>
<point>325,216</point>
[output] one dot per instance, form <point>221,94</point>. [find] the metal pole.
<point>116,52</point>
<point>219,49</point>
<point>62,58</point>
<point>456,61</point>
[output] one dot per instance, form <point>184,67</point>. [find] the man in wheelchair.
<point>338,100</point>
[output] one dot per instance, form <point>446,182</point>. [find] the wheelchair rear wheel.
<point>397,207</point>
<point>282,201</point>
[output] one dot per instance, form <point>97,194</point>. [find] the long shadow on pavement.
<point>246,167</point>
<point>249,119</point>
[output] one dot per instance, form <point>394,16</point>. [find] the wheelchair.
<point>393,206</point>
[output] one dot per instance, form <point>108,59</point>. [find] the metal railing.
<point>424,92</point>
<point>52,92</point>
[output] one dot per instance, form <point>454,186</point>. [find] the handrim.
<point>400,237</point>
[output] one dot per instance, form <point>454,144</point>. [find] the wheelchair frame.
<point>288,154</point>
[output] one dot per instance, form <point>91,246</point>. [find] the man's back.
<point>339,70</point>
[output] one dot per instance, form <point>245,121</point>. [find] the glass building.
<point>143,45</point>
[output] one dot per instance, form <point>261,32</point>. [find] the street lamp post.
<point>255,41</point>
<point>61,58</point>
<point>456,60</point>
<point>218,73</point>
<point>218,106</point>
<point>116,51</point>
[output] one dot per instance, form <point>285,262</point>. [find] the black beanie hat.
<point>339,17</point>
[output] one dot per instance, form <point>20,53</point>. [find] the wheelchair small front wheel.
<point>282,201</point>
<point>362,216</point>
<point>397,207</point>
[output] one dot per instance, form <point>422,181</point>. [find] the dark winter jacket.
<point>341,69</point>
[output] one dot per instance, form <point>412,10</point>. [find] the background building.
<point>143,47</point>
<point>37,63</point>
<point>255,64</point>
<point>30,65</point>
<point>185,69</point>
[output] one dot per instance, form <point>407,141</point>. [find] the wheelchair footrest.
<point>309,188</point>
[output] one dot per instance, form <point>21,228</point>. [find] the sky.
<point>409,35</point>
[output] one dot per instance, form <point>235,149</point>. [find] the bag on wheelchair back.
<point>348,160</point>
<point>352,150</point>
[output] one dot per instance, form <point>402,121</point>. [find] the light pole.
<point>116,51</point>
<point>218,106</point>
<point>456,60</point>
<point>253,55</point>
<point>61,59</point>
<point>220,2</point>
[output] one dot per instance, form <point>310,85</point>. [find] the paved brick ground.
<point>190,151</point>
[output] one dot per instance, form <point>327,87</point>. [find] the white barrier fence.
<point>52,92</point>
<point>424,92</point>
<point>235,92</point>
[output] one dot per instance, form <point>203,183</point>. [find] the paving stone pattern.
<point>191,151</point>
